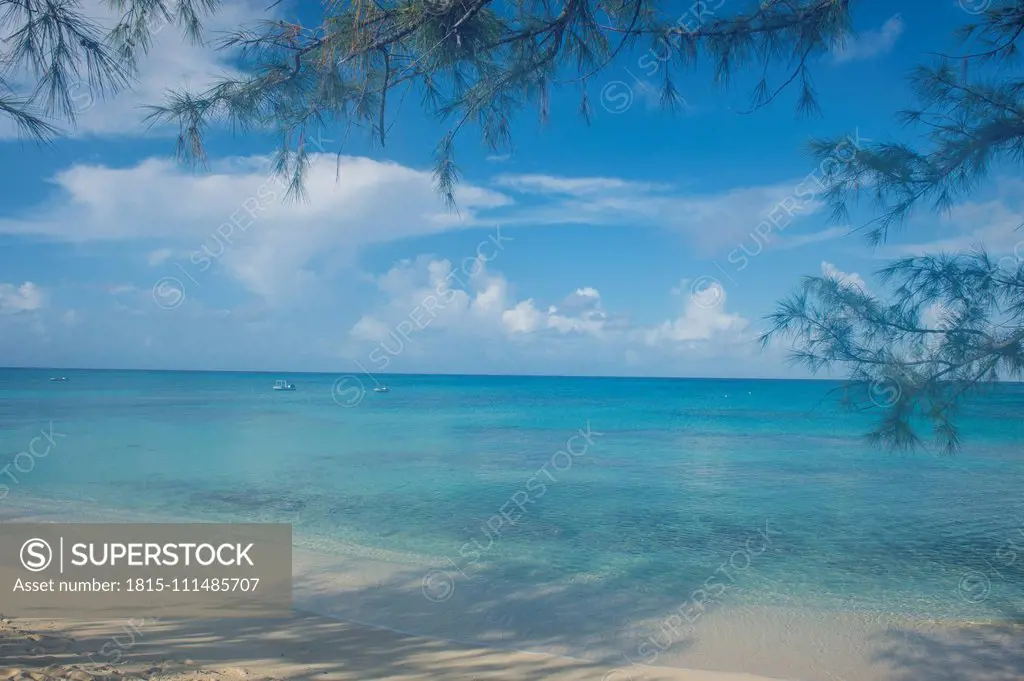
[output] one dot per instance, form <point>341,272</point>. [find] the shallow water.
<point>761,493</point>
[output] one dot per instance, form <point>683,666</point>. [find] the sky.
<point>645,243</point>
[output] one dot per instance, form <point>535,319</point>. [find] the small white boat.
<point>284,385</point>
<point>58,379</point>
<point>382,389</point>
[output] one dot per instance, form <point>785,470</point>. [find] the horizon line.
<point>439,374</point>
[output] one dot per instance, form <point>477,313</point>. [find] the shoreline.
<point>305,646</point>
<point>309,646</point>
<point>353,596</point>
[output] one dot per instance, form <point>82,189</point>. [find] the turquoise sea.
<point>675,478</point>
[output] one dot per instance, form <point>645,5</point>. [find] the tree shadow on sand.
<point>984,653</point>
<point>499,618</point>
<point>302,647</point>
<point>316,648</point>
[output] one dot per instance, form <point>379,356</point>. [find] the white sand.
<point>311,647</point>
<point>734,643</point>
<point>303,647</point>
<point>793,643</point>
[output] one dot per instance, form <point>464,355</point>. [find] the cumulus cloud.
<point>853,279</point>
<point>234,220</point>
<point>581,312</point>
<point>425,314</point>
<point>24,298</point>
<point>703,318</point>
<point>474,301</point>
<point>237,216</point>
<point>427,293</point>
<point>523,318</point>
<point>585,297</point>
<point>871,43</point>
<point>427,304</point>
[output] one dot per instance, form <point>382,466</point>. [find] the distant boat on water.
<point>284,385</point>
<point>382,389</point>
<point>58,379</point>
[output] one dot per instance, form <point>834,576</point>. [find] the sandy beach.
<point>303,647</point>
<point>340,601</point>
<point>308,646</point>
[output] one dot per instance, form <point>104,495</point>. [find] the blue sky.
<point>641,244</point>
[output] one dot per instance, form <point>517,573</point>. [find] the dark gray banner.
<point>102,571</point>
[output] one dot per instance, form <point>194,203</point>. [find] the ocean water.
<point>764,493</point>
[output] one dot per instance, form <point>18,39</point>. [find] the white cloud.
<point>575,186</point>
<point>992,224</point>
<point>237,217</point>
<point>172,62</point>
<point>24,298</point>
<point>934,316</point>
<point>369,328</point>
<point>428,293</point>
<point>159,256</point>
<point>581,312</point>
<point>703,319</point>
<point>583,297</point>
<point>870,43</point>
<point>798,240</point>
<point>523,318</point>
<point>853,279</point>
<point>425,311</point>
<point>589,322</point>
<point>713,221</point>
